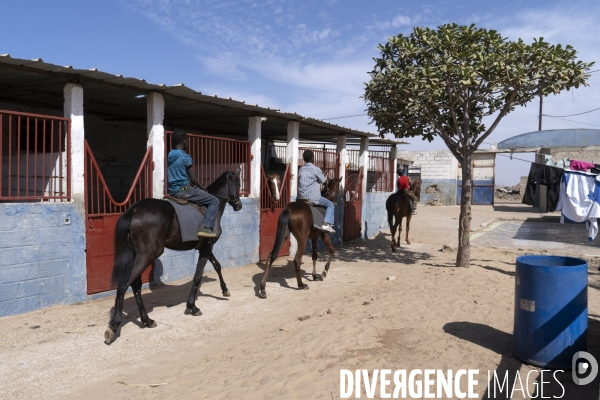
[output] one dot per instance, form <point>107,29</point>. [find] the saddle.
<point>183,202</point>
<point>318,213</point>
<point>190,217</point>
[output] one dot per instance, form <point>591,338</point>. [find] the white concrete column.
<point>291,154</point>
<point>363,162</point>
<point>255,150</point>
<point>343,152</point>
<point>394,158</point>
<point>155,113</point>
<point>73,109</point>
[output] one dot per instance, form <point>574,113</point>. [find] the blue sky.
<point>307,56</point>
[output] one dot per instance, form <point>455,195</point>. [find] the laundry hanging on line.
<point>580,200</point>
<point>544,175</point>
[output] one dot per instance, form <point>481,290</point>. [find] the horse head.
<point>332,189</point>
<point>274,183</point>
<point>227,187</point>
<point>415,188</point>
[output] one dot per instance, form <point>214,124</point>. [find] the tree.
<point>444,82</point>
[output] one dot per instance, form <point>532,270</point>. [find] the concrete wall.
<point>590,153</point>
<point>438,167</point>
<point>237,246</point>
<point>374,214</point>
<point>42,257</point>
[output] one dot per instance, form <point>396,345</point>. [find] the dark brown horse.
<point>143,232</point>
<point>398,207</point>
<point>297,219</point>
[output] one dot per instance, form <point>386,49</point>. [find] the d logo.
<point>588,367</point>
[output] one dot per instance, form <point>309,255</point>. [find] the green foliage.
<point>443,82</point>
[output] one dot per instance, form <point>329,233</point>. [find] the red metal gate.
<point>327,160</point>
<point>102,213</point>
<point>269,214</point>
<point>353,204</point>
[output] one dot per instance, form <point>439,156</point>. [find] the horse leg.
<point>140,263</point>
<point>117,317</point>
<point>315,255</point>
<point>217,265</point>
<point>298,263</point>
<point>393,228</point>
<point>407,227</point>
<point>399,221</point>
<point>136,286</point>
<point>327,240</point>
<point>202,259</point>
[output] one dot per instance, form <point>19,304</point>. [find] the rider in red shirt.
<point>404,184</point>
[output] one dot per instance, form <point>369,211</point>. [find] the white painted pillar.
<point>291,154</point>
<point>155,113</point>
<point>73,109</point>
<point>363,162</point>
<point>255,150</point>
<point>394,158</point>
<point>343,152</point>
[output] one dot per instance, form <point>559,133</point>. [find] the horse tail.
<point>124,255</point>
<point>283,230</point>
<point>390,214</point>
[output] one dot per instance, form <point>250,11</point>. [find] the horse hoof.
<point>315,277</point>
<point>262,295</point>
<point>407,242</point>
<point>151,324</point>
<point>227,293</point>
<point>109,335</point>
<point>195,311</point>
<point>323,274</point>
<point>304,287</point>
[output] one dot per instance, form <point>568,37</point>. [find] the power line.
<point>514,158</point>
<point>571,115</point>
<point>346,116</point>
<point>570,120</point>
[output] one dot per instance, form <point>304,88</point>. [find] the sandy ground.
<point>293,344</point>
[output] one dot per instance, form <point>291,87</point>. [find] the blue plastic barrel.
<point>551,310</point>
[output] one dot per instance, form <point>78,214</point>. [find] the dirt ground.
<point>293,344</point>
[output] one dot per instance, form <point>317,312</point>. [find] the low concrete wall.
<point>42,256</point>
<point>374,214</point>
<point>438,167</point>
<point>447,194</point>
<point>237,246</point>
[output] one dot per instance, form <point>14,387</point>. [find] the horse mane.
<point>415,188</point>
<point>219,182</point>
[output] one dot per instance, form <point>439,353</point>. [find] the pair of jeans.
<point>200,197</point>
<point>329,210</point>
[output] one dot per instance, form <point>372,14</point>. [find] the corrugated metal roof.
<point>39,84</point>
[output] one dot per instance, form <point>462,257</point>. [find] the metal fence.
<point>35,160</point>
<point>381,172</point>
<point>99,200</point>
<point>328,161</point>
<point>213,155</point>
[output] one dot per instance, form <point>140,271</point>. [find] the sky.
<point>311,57</point>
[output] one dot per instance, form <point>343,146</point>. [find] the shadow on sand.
<point>501,343</point>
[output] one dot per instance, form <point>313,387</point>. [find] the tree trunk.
<point>463,256</point>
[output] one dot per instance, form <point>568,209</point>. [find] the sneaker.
<point>205,231</point>
<point>327,228</point>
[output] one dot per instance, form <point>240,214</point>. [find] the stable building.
<point>78,147</point>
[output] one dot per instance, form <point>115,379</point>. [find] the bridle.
<point>234,201</point>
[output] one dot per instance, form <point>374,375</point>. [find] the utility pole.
<point>540,116</point>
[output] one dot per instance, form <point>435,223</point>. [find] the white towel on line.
<point>579,200</point>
